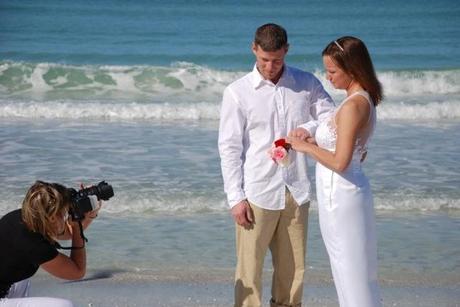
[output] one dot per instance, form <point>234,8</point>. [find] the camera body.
<point>85,200</point>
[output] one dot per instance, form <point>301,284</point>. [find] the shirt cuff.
<point>235,198</point>
<point>310,127</point>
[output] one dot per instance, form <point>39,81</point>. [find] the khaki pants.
<point>284,232</point>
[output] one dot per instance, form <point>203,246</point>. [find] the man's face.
<point>269,63</point>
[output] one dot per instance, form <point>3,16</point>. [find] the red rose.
<point>282,143</point>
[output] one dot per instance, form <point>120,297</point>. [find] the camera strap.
<point>82,235</point>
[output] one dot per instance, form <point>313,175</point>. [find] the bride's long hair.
<point>351,55</point>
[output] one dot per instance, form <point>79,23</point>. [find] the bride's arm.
<point>350,119</point>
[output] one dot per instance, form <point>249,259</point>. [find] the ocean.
<point>129,93</point>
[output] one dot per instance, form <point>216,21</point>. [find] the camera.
<point>85,200</point>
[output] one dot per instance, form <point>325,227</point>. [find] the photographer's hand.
<point>70,225</point>
<point>91,215</point>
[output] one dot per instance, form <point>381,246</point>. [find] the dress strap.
<point>368,98</point>
<point>361,93</point>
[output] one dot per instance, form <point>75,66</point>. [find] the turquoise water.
<point>129,92</point>
<point>400,34</point>
<point>169,209</point>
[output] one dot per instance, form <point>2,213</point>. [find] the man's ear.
<point>286,48</point>
<point>254,48</point>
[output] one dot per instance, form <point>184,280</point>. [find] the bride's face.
<point>335,75</point>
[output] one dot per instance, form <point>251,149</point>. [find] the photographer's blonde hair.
<point>42,204</point>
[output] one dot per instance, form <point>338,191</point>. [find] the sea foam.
<point>104,110</point>
<point>188,91</point>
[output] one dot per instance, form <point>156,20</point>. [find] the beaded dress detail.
<point>326,134</point>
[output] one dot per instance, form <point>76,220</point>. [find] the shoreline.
<point>317,277</point>
<point>215,288</point>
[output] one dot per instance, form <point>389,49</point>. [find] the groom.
<point>269,202</point>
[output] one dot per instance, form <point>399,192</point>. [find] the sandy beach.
<point>170,260</point>
<point>214,288</point>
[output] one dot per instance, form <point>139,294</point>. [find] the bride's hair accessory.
<point>338,45</point>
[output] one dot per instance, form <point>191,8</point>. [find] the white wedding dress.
<point>347,221</point>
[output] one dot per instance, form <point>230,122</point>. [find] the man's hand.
<point>242,214</point>
<point>299,133</point>
<point>363,156</point>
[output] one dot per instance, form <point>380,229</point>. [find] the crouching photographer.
<point>29,238</point>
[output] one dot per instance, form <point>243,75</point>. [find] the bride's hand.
<point>311,140</point>
<point>296,143</point>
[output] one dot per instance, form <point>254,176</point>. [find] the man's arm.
<point>231,149</point>
<point>321,105</point>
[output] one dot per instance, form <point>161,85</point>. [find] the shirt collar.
<point>258,81</point>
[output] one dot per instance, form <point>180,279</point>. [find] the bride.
<point>345,200</point>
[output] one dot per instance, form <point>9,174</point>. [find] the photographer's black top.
<point>21,251</point>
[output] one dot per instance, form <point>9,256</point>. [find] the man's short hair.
<point>271,37</point>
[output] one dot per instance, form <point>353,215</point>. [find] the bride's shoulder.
<point>356,107</point>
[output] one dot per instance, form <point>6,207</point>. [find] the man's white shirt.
<point>254,113</point>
